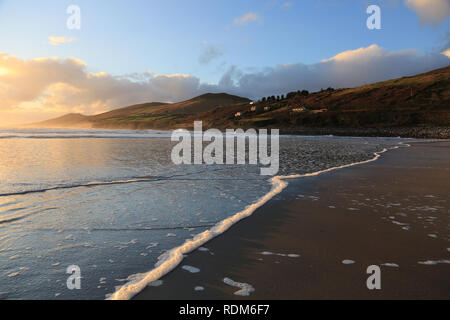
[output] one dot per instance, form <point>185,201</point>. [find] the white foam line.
<point>171,259</point>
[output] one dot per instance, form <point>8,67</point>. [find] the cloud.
<point>56,41</point>
<point>446,53</point>
<point>430,12</point>
<point>347,69</point>
<point>210,53</point>
<point>287,4</point>
<point>247,18</point>
<point>38,89</point>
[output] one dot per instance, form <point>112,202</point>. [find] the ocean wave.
<point>11,219</point>
<point>77,134</point>
<point>92,184</point>
<point>86,136</point>
<point>172,258</point>
<point>154,228</point>
<point>85,185</point>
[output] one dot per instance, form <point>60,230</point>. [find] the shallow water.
<point>112,202</point>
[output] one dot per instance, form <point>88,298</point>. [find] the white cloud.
<point>347,69</point>
<point>430,12</point>
<point>50,86</point>
<point>247,18</point>
<point>56,41</point>
<point>38,89</point>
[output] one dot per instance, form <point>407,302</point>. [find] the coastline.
<point>388,132</point>
<point>172,258</point>
<point>402,132</point>
<point>323,237</point>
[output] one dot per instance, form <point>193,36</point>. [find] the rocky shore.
<point>409,132</point>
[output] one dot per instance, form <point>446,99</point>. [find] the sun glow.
<point>4,71</point>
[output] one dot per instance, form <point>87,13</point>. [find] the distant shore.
<point>403,132</point>
<point>317,238</point>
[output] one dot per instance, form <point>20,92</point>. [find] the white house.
<point>298,110</point>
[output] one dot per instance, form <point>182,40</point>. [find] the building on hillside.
<point>299,110</point>
<point>238,115</point>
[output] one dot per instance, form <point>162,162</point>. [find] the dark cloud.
<point>348,69</point>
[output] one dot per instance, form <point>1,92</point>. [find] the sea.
<point>113,204</point>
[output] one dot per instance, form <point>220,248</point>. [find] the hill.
<point>147,115</point>
<point>123,112</point>
<point>421,101</point>
<point>71,120</point>
<point>418,101</point>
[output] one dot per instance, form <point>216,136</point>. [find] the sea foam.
<point>245,289</point>
<point>171,259</point>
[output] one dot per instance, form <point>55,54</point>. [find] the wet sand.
<point>393,211</point>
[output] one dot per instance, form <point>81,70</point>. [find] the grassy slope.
<point>422,100</point>
<point>147,115</point>
<point>168,115</point>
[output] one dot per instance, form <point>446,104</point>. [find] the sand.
<point>317,238</point>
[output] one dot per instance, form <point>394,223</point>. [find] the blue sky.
<point>169,36</point>
<point>136,51</point>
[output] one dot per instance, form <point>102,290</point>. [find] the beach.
<point>114,204</point>
<point>169,151</point>
<point>316,239</point>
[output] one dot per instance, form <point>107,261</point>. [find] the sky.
<point>128,52</point>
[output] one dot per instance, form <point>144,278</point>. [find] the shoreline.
<point>173,258</point>
<point>406,132</point>
<point>246,266</point>
<point>393,132</point>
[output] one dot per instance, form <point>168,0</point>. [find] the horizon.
<point>122,55</point>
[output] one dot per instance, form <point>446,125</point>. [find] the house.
<point>252,103</point>
<point>267,108</point>
<point>253,109</point>
<point>298,110</point>
<point>238,115</point>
